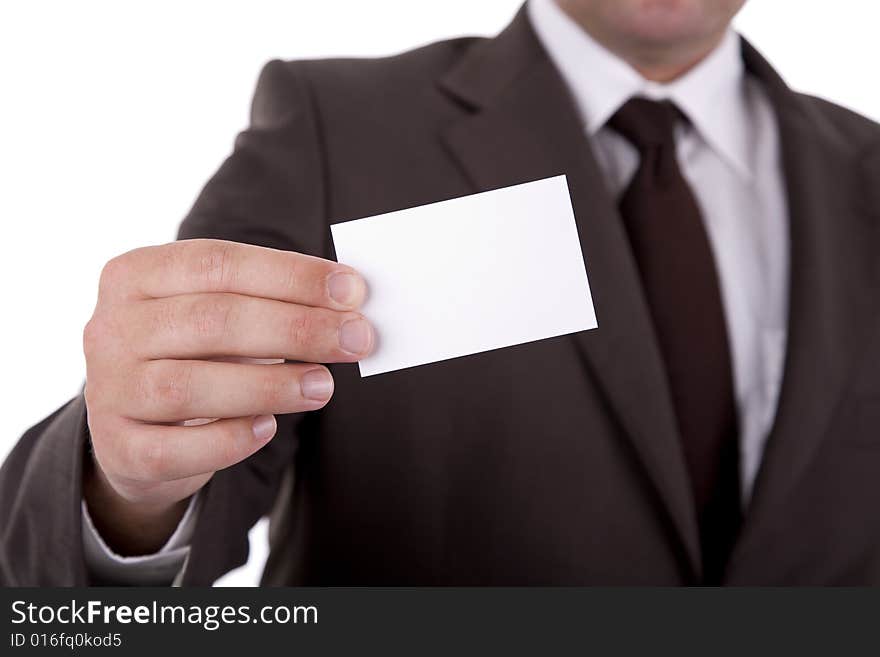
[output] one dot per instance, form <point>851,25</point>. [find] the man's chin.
<point>670,29</point>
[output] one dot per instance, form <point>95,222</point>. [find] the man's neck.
<point>652,66</point>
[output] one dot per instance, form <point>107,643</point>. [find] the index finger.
<point>201,265</point>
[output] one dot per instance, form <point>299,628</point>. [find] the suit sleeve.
<point>40,497</point>
<point>269,192</point>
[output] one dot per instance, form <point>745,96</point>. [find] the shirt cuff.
<point>164,567</point>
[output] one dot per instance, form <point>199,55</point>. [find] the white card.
<point>470,274</point>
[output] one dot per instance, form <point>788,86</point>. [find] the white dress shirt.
<point>730,156</point>
<point>166,566</point>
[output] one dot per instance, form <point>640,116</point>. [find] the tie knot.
<point>646,123</point>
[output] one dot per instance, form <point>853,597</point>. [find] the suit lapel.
<point>526,127</point>
<point>834,286</point>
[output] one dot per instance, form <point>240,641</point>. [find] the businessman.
<point>721,426</point>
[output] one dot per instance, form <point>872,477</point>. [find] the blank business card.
<point>469,274</point>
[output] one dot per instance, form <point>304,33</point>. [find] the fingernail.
<point>346,289</point>
<point>317,385</point>
<point>356,336</point>
<point>264,427</point>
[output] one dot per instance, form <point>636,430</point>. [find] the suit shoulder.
<point>855,130</point>
<point>364,83</point>
<point>389,77</point>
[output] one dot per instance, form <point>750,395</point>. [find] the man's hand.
<point>172,339</point>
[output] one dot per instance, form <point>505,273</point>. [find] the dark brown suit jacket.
<point>555,462</point>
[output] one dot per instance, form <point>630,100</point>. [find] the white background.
<point>113,114</point>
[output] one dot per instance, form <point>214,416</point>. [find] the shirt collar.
<point>712,94</point>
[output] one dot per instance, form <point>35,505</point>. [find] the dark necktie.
<point>680,282</point>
